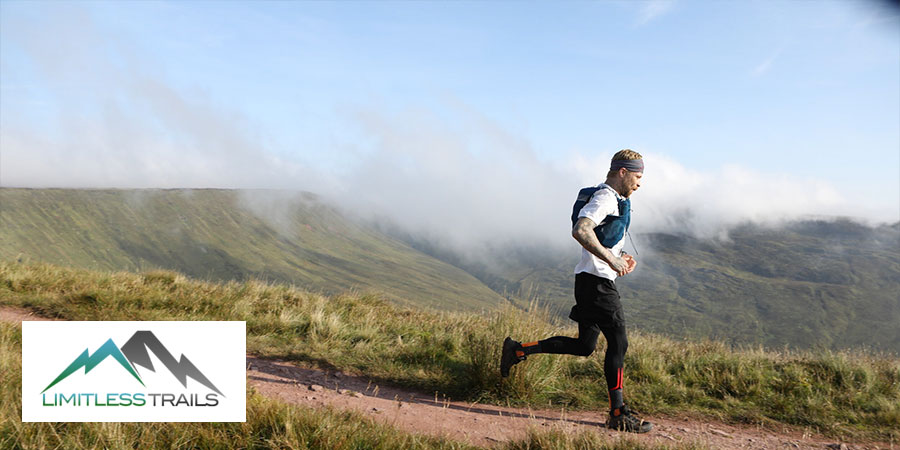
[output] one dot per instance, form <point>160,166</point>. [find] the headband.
<point>633,165</point>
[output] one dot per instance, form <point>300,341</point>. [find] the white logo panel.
<point>133,371</point>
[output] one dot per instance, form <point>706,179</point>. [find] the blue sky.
<point>311,94</point>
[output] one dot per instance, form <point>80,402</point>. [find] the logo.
<point>142,380</point>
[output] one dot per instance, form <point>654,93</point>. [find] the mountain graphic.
<point>89,361</point>
<point>136,351</point>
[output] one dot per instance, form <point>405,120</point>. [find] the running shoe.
<point>624,419</point>
<point>512,355</point>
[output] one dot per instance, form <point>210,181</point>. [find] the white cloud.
<point>654,9</point>
<point>676,198</point>
<point>471,184</point>
<point>118,124</point>
<point>456,176</point>
<point>465,183</point>
<point>764,67</point>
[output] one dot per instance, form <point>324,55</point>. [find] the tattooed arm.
<point>583,232</point>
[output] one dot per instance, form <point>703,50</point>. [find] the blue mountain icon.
<point>88,361</point>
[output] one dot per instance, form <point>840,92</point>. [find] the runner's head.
<point>625,172</point>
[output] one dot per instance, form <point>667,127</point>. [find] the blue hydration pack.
<point>612,229</point>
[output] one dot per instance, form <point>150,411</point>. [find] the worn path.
<point>487,425</point>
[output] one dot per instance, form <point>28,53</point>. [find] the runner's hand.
<point>619,265</point>
<point>630,261</point>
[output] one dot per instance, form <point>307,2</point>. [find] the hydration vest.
<point>612,229</point>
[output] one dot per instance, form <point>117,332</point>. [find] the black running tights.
<point>584,345</point>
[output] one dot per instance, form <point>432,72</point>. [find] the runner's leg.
<point>614,363</point>
<point>583,345</point>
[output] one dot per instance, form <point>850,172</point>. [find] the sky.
<point>468,120</point>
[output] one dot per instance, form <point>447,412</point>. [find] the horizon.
<point>294,195</point>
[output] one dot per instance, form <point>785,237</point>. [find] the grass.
<point>848,395</point>
<point>585,440</point>
<point>270,424</point>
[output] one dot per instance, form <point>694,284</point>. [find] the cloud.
<point>182,144</point>
<point>469,183</point>
<point>118,124</point>
<point>654,9</point>
<point>453,175</point>
<point>675,198</point>
<point>764,67</point>
<point>466,182</point>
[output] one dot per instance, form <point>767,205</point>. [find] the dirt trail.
<point>486,425</point>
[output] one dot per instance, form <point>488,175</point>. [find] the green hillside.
<point>221,235</point>
<point>809,284</point>
<point>812,284</point>
<point>854,394</point>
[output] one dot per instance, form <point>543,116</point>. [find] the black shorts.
<point>597,302</point>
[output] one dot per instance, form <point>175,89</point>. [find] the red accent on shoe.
<point>520,353</point>
<point>530,344</point>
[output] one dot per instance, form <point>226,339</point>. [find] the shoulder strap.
<point>584,196</point>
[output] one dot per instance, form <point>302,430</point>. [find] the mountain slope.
<point>820,284</point>
<point>825,284</point>
<point>227,235</point>
<point>814,284</point>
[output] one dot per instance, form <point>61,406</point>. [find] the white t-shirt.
<point>605,202</point>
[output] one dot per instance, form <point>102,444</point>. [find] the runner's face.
<point>631,182</point>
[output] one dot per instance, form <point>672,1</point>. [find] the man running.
<point>600,229</point>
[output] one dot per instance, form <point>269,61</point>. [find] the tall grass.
<point>842,394</point>
<point>588,441</point>
<point>270,424</point>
